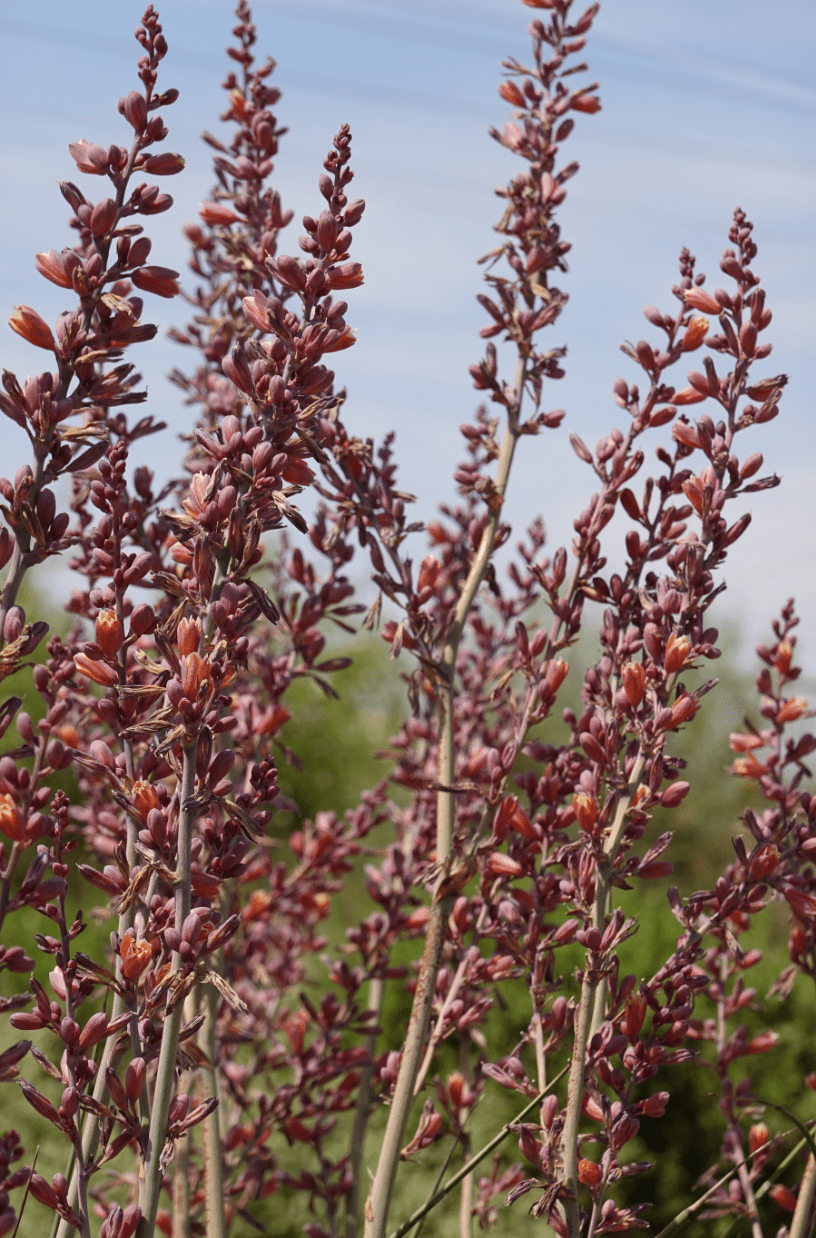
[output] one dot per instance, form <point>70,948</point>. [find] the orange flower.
<point>633,677</point>
<point>51,265</point>
<point>748,767</point>
<point>179,553</point>
<point>511,92</point>
<point>144,798</point>
<point>556,671</point>
<point>271,720</point>
<point>635,1014</point>
<point>428,572</point>
<point>695,334</point>
<point>586,103</point>
<point>347,275</point>
<point>418,918</point>
<point>28,323</point>
<point>318,901</point>
<point>684,708</point>
<point>744,743</point>
<point>109,632</point>
<point>297,472</point>
<point>586,810</point>
<point>783,1196</point>
<point>238,104</point>
<point>295,1028</point>
<point>592,1109</point>
<point>196,503</point>
<point>456,1088</point>
<point>259,903</point>
<point>792,709</point>
<point>195,671</point>
<point>159,280</point>
<point>11,821</point>
<point>589,1173</point>
<point>521,823</point>
<point>757,1136</point>
<point>685,434</point>
<point>677,648</point>
<point>135,955</point>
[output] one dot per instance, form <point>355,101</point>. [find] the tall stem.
<point>379,1200</point>
<point>151,1182</point>
<point>588,1009</point>
<point>802,1224</point>
<point>211,1126</point>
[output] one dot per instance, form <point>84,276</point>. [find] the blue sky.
<point>706,106</point>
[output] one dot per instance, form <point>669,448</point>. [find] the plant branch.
<point>379,1200</point>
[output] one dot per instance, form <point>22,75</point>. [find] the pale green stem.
<point>466,1206</point>
<point>211,1126</point>
<point>151,1181</point>
<point>590,987</point>
<point>802,1224</point>
<point>181,1189</point>
<point>540,1057</point>
<point>379,1200</point>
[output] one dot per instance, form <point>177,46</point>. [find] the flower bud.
<point>103,217</point>
<point>109,632</point>
<point>134,1078</point>
<point>697,299</point>
<point>586,810</point>
<point>694,334</point>
<point>28,323</point>
<point>94,1030</point>
<point>783,1196</point>
<point>98,672</point>
<point>159,280</point>
<point>134,109</point>
<point>501,865</point>
<point>188,636</point>
<point>634,1015</point>
<point>214,213</point>
<point>634,680</point>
